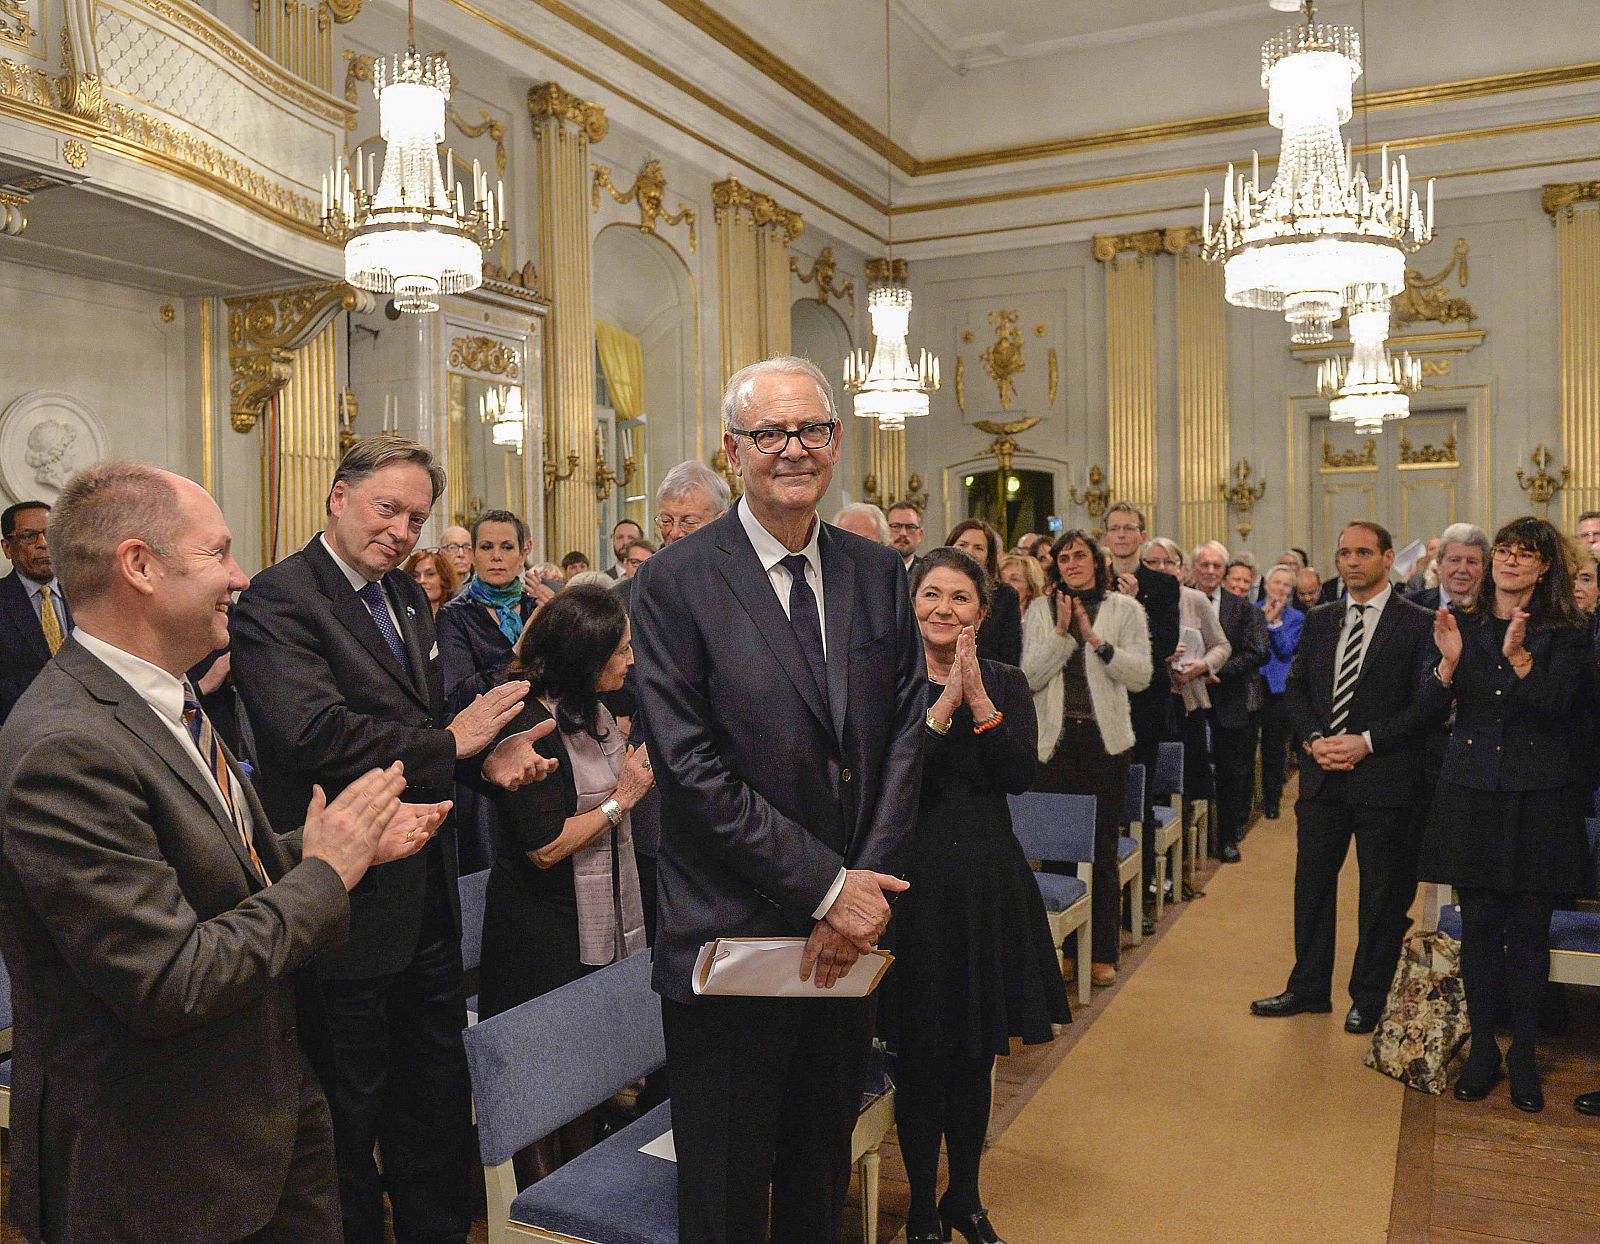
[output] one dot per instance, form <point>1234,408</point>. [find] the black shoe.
<point>1588,1103</point>
<point>929,1235</point>
<point>1148,927</point>
<point>1288,1003</point>
<point>1474,1087</point>
<point>1270,812</point>
<point>1361,1019</point>
<point>1229,854</point>
<point>974,1227</point>
<point>1527,1093</point>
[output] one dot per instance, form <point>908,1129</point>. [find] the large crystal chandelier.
<point>413,233</point>
<point>887,386</point>
<point>502,410</point>
<point>1372,388</point>
<point>1320,238</point>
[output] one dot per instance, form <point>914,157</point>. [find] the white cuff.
<point>1366,737</point>
<point>829,898</point>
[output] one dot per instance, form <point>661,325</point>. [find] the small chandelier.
<point>888,387</point>
<point>502,410</point>
<point>412,233</point>
<point>1319,238</point>
<point>1372,388</point>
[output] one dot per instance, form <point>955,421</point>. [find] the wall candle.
<point>1255,170</point>
<point>1430,208</point>
<point>1208,214</point>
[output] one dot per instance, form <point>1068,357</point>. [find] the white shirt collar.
<point>162,690</point>
<point>356,579</point>
<point>1374,606</point>
<point>769,551</point>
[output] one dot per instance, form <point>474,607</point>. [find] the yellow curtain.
<point>622,361</point>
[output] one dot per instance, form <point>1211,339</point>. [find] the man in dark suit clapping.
<point>1353,697</point>
<point>780,669</point>
<point>153,924</point>
<point>34,617</point>
<point>335,656</point>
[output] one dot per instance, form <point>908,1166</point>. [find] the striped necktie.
<point>1344,683</point>
<point>49,623</point>
<point>205,738</point>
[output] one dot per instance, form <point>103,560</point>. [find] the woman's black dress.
<point>974,963</point>
<point>1508,811</point>
<point>1000,636</point>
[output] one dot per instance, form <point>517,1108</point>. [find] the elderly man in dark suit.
<point>152,922</point>
<point>781,671</point>
<point>34,617</point>
<point>1235,698</point>
<point>1354,697</point>
<point>335,655</point>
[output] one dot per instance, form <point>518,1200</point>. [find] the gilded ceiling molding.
<point>648,190</point>
<point>343,11</point>
<point>1422,299</point>
<point>1563,196</point>
<point>823,274</point>
<point>548,101</point>
<point>264,331</point>
<point>733,196</point>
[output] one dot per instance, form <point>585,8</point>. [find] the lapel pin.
<point>410,611</point>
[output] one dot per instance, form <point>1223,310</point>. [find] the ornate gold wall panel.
<point>1577,221</point>
<point>304,431</point>
<point>753,236</point>
<point>564,127</point>
<point>1204,449</point>
<point>264,332</point>
<point>1131,382</point>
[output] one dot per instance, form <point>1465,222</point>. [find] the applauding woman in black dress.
<point>975,965</point>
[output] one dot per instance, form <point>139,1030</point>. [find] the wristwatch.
<point>1105,652</point>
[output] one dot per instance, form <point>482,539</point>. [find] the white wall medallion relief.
<point>44,437</point>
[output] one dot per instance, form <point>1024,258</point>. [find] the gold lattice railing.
<point>299,36</point>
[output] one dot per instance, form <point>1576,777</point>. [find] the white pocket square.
<point>434,653</point>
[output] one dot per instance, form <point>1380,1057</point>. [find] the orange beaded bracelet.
<point>991,723</point>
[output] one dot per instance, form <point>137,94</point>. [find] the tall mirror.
<point>487,437</point>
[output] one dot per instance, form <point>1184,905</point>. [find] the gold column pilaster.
<point>1204,451</point>
<point>1131,368</point>
<point>564,128</point>
<point>1575,208</point>
<point>753,237</point>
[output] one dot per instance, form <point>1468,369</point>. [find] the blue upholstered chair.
<point>1166,796</point>
<point>544,1063</point>
<point>1130,851</point>
<point>474,891</point>
<point>1059,829</point>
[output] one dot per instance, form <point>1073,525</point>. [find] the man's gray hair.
<point>100,508</point>
<point>1211,544</point>
<point>779,365</point>
<point>371,454</point>
<point>1465,533</point>
<point>871,511</point>
<point>1244,557</point>
<point>694,476</point>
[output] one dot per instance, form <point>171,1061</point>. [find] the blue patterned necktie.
<point>372,597</point>
<point>806,619</point>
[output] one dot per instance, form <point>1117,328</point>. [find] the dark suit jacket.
<point>158,1079</point>
<point>1158,593</point>
<point>1390,701</point>
<point>473,651</point>
<point>328,701</point>
<point>23,652</point>
<point>1000,636</point>
<point>1332,590</point>
<point>1238,693</point>
<point>765,793</point>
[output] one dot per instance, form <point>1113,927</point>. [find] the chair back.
<point>474,890</point>
<point>1057,828</point>
<point>1133,796</point>
<point>1167,780</point>
<point>544,1063</point>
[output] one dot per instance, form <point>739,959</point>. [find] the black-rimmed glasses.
<point>774,441</point>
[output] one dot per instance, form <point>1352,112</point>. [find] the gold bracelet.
<point>940,730</point>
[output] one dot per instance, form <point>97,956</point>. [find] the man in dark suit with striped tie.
<point>1352,695</point>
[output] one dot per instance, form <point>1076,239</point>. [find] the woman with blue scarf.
<point>478,631</point>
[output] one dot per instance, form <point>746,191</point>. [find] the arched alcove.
<point>819,333</point>
<point>643,286</point>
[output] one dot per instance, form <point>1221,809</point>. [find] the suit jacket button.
<point>844,776</point>
<point>288,1035</point>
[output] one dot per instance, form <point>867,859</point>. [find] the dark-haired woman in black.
<point>1506,828</point>
<point>563,893</point>
<point>1000,637</point>
<point>974,964</point>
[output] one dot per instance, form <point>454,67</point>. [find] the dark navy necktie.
<point>806,620</point>
<point>372,597</point>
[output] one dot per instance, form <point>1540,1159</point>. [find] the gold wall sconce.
<point>554,475</point>
<point>1241,495</point>
<point>604,476</point>
<point>1541,486</point>
<point>1096,496</point>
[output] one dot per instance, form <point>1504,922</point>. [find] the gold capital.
<point>1561,196</point>
<point>550,102</point>
<point>264,331</point>
<point>884,270</point>
<point>733,196</point>
<point>1146,242</point>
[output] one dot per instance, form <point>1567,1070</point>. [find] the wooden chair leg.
<point>1085,965</point>
<point>1161,885</point>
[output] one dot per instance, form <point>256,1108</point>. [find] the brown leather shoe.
<point>1103,974</point>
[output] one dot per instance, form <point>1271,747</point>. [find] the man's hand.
<point>217,674</point>
<point>514,762</point>
<point>832,954</point>
<point>409,829</point>
<point>1128,584</point>
<point>860,914</point>
<point>476,726</point>
<point>1346,750</point>
<point>345,833</point>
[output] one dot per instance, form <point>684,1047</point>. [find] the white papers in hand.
<point>769,967</point>
<point>1408,559</point>
<point>1193,645</point>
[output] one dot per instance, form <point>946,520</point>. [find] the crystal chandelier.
<point>412,233</point>
<point>887,386</point>
<point>1372,388</point>
<point>1319,238</point>
<point>502,410</point>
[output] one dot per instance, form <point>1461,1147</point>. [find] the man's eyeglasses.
<point>1515,555</point>
<point>904,529</point>
<point>37,537</point>
<point>455,548</point>
<point>692,522</point>
<point>1160,563</point>
<point>774,441</point>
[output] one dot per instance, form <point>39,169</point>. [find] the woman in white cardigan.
<point>1084,648</point>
